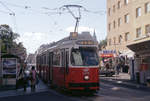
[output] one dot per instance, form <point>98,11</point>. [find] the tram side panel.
<point>82,78</point>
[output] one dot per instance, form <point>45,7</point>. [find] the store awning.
<point>106,55</point>
<point>128,53</point>
<point>141,47</point>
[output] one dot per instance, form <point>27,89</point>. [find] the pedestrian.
<point>33,78</point>
<point>25,81</point>
<point>107,66</point>
<point>21,79</point>
<point>118,68</point>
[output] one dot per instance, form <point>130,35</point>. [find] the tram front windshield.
<point>84,57</point>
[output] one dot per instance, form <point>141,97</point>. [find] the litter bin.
<point>138,77</point>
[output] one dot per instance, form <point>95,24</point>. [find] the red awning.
<point>107,55</point>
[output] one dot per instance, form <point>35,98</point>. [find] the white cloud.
<point>32,40</point>
<point>80,29</point>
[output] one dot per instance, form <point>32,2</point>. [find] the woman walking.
<point>33,78</point>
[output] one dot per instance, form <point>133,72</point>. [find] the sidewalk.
<point>123,79</point>
<point>41,87</point>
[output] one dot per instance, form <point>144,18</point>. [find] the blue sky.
<point>36,27</point>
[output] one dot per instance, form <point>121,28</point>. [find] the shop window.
<point>147,7</point>
<point>138,32</point>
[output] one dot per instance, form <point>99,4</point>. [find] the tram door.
<point>51,67</point>
<point>63,67</point>
<point>67,62</point>
<point>64,60</point>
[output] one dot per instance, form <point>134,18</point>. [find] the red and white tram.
<point>71,63</point>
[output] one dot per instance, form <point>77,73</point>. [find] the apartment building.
<point>128,28</point>
<point>127,22</point>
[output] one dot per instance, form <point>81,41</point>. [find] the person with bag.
<point>33,78</point>
<point>21,80</point>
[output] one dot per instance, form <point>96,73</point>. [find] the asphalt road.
<point>42,96</point>
<point>108,92</point>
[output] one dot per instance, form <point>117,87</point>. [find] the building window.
<point>113,8</point>
<point>126,17</point>
<point>109,42</point>
<point>126,2</point>
<point>138,12</point>
<point>147,29</point>
<point>119,4</point>
<point>114,24</point>
<point>127,36</point>
<point>147,7</point>
<point>119,22</point>
<point>109,26</point>
<point>109,10</point>
<point>114,40</point>
<point>138,32</point>
<point>120,39</point>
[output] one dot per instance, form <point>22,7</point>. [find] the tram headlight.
<point>86,77</point>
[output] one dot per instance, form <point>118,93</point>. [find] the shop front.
<point>107,62</point>
<point>141,61</point>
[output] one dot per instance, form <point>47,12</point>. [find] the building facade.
<point>128,28</point>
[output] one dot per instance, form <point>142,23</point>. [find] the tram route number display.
<point>9,67</point>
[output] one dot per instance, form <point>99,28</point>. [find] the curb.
<point>127,84</point>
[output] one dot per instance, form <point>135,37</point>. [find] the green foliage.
<point>8,38</point>
<point>102,44</point>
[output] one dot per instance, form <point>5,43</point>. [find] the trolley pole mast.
<point>77,18</point>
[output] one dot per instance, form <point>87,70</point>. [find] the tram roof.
<point>82,36</point>
<point>70,40</point>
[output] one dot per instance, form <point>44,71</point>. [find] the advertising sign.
<point>9,67</point>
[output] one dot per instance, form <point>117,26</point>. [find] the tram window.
<point>84,57</point>
<point>56,59</point>
<point>63,59</point>
<point>76,58</point>
<point>44,59</point>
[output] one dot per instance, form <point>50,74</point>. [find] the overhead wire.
<point>4,12</point>
<point>11,13</point>
<point>7,8</point>
<point>49,11</point>
<point>55,10</point>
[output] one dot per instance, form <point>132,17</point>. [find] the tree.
<point>102,44</point>
<point>7,37</point>
<point>9,44</point>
